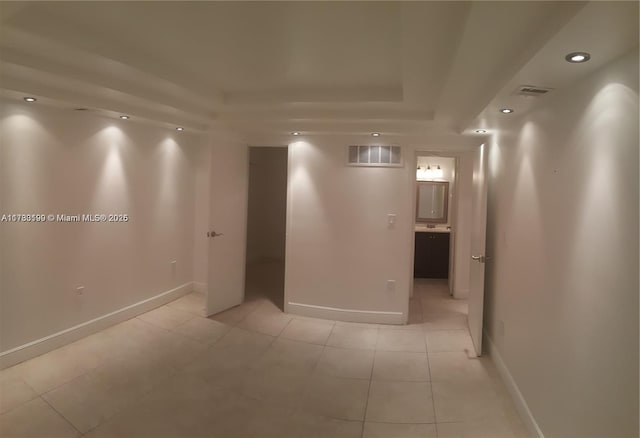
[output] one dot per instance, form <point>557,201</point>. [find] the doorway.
<point>453,304</point>
<point>266,224</point>
<point>444,195</point>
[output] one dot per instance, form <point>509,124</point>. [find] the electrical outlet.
<point>391,285</point>
<point>80,290</point>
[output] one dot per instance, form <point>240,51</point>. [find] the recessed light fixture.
<point>506,110</point>
<point>30,99</point>
<point>577,57</point>
<point>124,117</point>
<point>295,133</point>
<point>481,131</point>
<point>375,134</point>
<point>179,128</point>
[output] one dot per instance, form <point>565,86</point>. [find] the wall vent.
<point>532,90</point>
<point>374,156</point>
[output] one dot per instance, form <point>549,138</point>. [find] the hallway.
<point>254,371</point>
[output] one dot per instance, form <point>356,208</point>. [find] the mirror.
<point>432,201</point>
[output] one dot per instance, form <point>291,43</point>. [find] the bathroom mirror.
<point>432,201</point>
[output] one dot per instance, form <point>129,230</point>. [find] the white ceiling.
<point>415,71</point>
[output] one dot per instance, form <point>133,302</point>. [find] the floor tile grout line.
<point>37,394</point>
<point>284,328</point>
<point>140,397</point>
<point>402,422</point>
<point>92,369</point>
<point>173,370</point>
<point>61,415</point>
<point>373,364</point>
<point>315,367</point>
<point>433,399</point>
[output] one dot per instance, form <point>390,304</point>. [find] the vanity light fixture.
<point>295,133</point>
<point>30,99</point>
<point>375,134</point>
<point>577,57</point>
<point>124,117</point>
<point>423,174</point>
<point>179,128</point>
<point>481,131</point>
<point>506,110</point>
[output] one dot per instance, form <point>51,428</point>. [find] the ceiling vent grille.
<point>374,156</point>
<point>532,90</point>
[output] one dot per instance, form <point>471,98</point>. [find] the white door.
<point>478,256</point>
<point>227,234</point>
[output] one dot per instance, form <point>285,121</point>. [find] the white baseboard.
<point>201,288</point>
<point>348,315</point>
<point>521,405</point>
<point>56,340</point>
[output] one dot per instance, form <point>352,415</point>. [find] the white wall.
<point>59,161</point>
<point>563,230</point>
<point>340,252</point>
<point>267,203</point>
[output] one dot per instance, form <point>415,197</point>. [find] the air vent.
<point>374,156</point>
<point>531,90</point>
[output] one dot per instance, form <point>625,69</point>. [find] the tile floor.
<point>254,371</point>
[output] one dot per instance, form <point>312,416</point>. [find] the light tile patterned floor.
<point>255,372</point>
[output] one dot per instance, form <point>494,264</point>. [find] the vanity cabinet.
<point>431,259</point>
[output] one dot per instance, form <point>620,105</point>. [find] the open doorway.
<point>266,224</point>
<point>442,242</point>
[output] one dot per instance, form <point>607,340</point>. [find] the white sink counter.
<point>438,229</point>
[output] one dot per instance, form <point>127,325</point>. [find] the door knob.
<point>479,258</point>
<point>214,234</point>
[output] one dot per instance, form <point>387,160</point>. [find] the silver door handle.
<point>479,258</point>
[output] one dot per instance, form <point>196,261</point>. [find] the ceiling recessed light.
<point>506,110</point>
<point>481,131</point>
<point>375,134</point>
<point>179,128</point>
<point>30,99</point>
<point>577,57</point>
<point>124,117</point>
<point>295,133</point>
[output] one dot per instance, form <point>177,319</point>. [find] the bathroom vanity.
<point>431,258</point>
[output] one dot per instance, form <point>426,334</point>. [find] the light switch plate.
<point>391,285</point>
<point>391,220</point>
